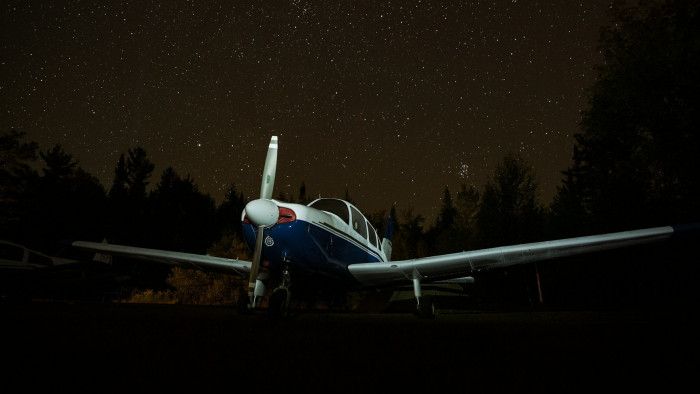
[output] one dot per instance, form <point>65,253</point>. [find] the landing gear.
<point>249,301</point>
<point>425,308</point>
<point>243,304</point>
<point>281,298</point>
<point>279,304</point>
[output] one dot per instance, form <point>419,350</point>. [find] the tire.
<point>426,308</point>
<point>279,304</point>
<point>242,304</point>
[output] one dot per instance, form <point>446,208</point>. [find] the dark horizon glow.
<point>391,102</point>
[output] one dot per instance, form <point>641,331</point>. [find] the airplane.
<point>330,241</point>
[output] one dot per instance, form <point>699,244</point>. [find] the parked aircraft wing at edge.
<point>185,260</point>
<point>443,267</point>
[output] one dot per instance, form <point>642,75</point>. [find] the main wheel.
<point>279,304</point>
<point>242,306</point>
<point>426,308</point>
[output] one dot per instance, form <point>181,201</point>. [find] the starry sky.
<point>391,101</point>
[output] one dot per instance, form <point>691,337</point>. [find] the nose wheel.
<point>281,298</point>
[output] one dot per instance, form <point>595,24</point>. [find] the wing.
<point>186,260</point>
<point>456,265</point>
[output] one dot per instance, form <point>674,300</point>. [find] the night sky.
<point>390,101</point>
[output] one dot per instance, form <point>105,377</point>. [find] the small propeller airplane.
<point>330,240</point>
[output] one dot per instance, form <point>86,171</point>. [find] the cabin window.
<point>336,207</point>
<point>372,235</point>
<point>358,222</point>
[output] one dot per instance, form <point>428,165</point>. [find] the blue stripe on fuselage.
<point>311,248</point>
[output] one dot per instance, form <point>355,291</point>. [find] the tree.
<point>448,213</point>
<point>16,179</point>
<point>229,211</point>
<point>138,169</point>
<point>509,212</point>
<point>128,221</point>
<point>442,237</point>
<point>637,157</point>
<point>303,198</point>
<point>119,190</point>
<point>466,206</point>
<point>181,218</point>
<point>59,164</point>
<point>68,203</point>
<point>409,238</point>
<point>569,213</point>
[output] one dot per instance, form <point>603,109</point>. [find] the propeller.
<point>268,181</point>
<point>263,213</point>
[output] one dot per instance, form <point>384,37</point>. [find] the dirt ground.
<point>156,348</point>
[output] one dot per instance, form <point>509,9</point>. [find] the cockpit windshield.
<point>349,215</point>
<point>337,207</point>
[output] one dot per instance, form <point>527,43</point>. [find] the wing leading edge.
<point>186,260</point>
<point>437,268</point>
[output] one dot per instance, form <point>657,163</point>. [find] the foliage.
<point>228,214</point>
<point>150,296</point>
<point>230,246</point>
<point>509,212</point>
<point>637,157</point>
<point>409,238</point>
<point>16,176</point>
<point>202,288</point>
<point>138,169</point>
<point>182,215</point>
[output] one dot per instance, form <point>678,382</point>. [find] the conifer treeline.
<point>635,164</point>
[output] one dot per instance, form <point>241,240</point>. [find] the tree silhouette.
<point>229,212</point>
<point>303,198</point>
<point>409,238</point>
<point>16,179</point>
<point>128,219</point>
<point>637,158</point>
<point>181,218</point>
<point>69,201</point>
<point>509,212</point>
<point>441,237</point>
<point>467,207</point>
<point>138,169</point>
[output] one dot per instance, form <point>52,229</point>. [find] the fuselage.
<point>322,238</point>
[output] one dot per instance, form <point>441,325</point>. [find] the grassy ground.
<point>144,348</point>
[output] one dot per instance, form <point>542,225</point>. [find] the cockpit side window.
<point>337,207</point>
<point>372,234</point>
<point>358,222</point>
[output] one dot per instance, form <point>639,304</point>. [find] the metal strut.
<point>281,297</point>
<point>416,291</point>
<point>425,306</point>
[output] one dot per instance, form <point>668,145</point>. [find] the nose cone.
<point>262,212</point>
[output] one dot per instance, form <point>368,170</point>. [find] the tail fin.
<point>388,238</point>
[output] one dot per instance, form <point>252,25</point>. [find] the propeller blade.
<point>263,212</point>
<point>255,265</point>
<point>268,181</point>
